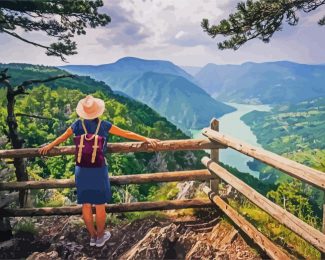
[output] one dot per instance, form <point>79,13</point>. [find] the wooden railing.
<point>214,174</point>
<point>294,169</point>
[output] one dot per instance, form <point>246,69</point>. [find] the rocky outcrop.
<point>62,237</point>
<point>190,242</point>
<point>154,245</point>
<point>44,256</point>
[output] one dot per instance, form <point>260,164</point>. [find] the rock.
<point>186,190</point>
<point>43,256</point>
<point>147,238</point>
<point>7,244</point>
<point>154,245</point>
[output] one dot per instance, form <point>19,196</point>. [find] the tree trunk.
<point>5,229</point>
<point>17,143</point>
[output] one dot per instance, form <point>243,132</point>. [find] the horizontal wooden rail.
<point>294,169</point>
<point>123,147</point>
<point>113,208</point>
<point>310,234</point>
<point>201,175</point>
<point>264,243</point>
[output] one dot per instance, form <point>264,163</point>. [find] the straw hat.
<point>90,107</point>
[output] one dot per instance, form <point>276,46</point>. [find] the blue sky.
<point>170,30</point>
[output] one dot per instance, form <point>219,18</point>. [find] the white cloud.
<point>170,30</point>
<point>180,34</point>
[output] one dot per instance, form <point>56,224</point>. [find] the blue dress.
<point>93,184</point>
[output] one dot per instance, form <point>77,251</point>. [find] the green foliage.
<point>49,198</point>
<point>22,72</point>
<point>167,191</point>
<point>296,197</point>
<point>275,231</point>
<point>297,132</point>
<point>294,131</point>
<point>258,19</point>
<point>25,226</point>
<point>59,19</point>
<point>57,103</point>
<point>255,183</point>
<point>131,216</point>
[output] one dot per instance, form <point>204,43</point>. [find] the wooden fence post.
<point>214,155</point>
<point>323,229</point>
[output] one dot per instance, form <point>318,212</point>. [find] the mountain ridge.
<point>129,74</point>
<point>267,83</point>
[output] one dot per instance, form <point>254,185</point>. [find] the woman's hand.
<point>153,141</point>
<point>44,150</point>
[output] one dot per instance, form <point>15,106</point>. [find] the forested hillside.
<point>160,84</point>
<point>267,83</point>
<point>56,102</point>
<point>296,132</point>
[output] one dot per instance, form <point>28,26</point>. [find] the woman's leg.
<point>100,219</point>
<point>89,219</point>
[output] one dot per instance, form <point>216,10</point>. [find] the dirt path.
<point>148,238</point>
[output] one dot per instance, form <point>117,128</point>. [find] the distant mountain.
<point>267,83</point>
<point>181,101</point>
<point>192,70</point>
<point>124,69</point>
<point>161,85</point>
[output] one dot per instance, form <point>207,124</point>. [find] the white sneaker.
<point>92,241</point>
<point>101,241</point>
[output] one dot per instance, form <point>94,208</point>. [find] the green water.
<point>232,125</point>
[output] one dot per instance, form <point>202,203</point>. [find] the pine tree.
<point>259,19</point>
<point>59,19</point>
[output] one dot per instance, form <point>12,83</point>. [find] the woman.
<point>92,184</point>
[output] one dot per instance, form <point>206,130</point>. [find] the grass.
<point>131,216</point>
<point>167,191</point>
<point>275,231</point>
<point>25,226</point>
<point>56,199</point>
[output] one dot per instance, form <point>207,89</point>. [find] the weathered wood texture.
<point>201,175</point>
<point>123,147</point>
<point>262,241</point>
<point>310,234</point>
<point>214,155</point>
<point>297,170</point>
<point>8,198</point>
<point>113,208</point>
<point>323,228</point>
<point>324,214</point>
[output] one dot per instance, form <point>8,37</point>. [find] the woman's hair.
<point>97,118</point>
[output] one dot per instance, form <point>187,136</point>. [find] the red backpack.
<point>89,148</point>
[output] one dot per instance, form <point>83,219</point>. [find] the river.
<point>231,124</point>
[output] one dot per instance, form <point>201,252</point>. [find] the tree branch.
<point>59,19</point>
<point>33,116</point>
<point>48,48</point>
<point>21,88</point>
<point>258,19</point>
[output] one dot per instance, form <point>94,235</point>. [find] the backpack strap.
<point>81,145</point>
<point>83,126</point>
<point>85,129</point>
<point>98,126</point>
<point>95,146</point>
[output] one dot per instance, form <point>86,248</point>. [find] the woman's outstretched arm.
<point>57,141</point>
<point>131,135</point>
